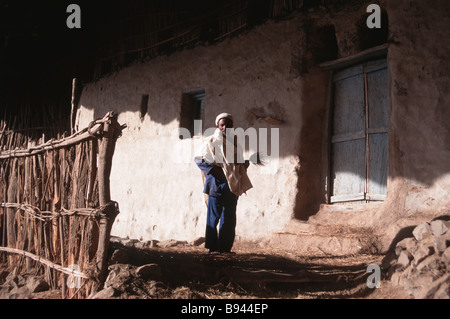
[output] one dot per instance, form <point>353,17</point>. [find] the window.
<point>192,109</point>
<point>143,107</point>
<point>359,133</point>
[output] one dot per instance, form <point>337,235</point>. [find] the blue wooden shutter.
<point>359,133</point>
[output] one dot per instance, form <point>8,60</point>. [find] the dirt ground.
<point>190,272</point>
<point>250,272</point>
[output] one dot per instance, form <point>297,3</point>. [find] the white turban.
<point>223,116</point>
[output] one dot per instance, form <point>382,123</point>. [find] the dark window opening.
<point>316,45</point>
<point>323,43</point>
<point>193,109</point>
<point>144,106</point>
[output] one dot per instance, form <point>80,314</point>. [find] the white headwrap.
<point>224,116</point>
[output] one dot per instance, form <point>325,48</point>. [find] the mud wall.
<point>272,71</point>
<point>419,132</point>
<point>154,178</point>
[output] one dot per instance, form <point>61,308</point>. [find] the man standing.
<point>221,160</point>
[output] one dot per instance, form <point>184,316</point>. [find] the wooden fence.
<point>55,208</point>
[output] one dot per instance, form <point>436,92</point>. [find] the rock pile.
<point>21,286</point>
<point>126,281</point>
<point>420,264</point>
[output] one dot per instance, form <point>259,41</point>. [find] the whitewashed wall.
<point>159,187</point>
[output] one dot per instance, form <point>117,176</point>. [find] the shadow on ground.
<point>195,273</point>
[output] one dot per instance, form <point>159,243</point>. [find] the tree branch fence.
<point>56,212</point>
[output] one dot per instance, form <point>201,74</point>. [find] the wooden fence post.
<point>111,131</point>
<point>11,212</point>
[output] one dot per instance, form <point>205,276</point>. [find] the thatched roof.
<point>114,33</point>
<point>151,28</point>
<point>39,55</point>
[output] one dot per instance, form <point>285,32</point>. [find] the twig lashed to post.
<point>94,129</point>
<point>67,271</point>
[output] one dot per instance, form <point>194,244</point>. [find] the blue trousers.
<point>221,209</point>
